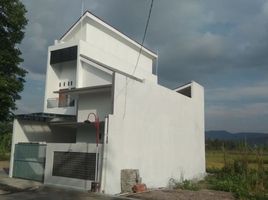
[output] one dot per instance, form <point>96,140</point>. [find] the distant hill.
<point>251,138</point>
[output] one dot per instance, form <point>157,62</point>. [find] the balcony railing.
<point>60,103</point>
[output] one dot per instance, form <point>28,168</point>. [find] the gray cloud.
<point>221,44</point>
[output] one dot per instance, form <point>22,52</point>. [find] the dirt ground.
<point>183,195</point>
<point>170,194</point>
<point>4,164</point>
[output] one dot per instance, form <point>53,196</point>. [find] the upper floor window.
<point>63,55</point>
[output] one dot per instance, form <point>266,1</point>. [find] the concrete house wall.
<point>159,131</point>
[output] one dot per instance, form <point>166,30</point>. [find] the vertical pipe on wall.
<point>13,141</point>
<point>104,156</point>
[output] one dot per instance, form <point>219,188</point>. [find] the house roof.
<point>93,17</point>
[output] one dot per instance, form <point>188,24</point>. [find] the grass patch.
<point>185,185</point>
<point>243,172</point>
<point>215,159</point>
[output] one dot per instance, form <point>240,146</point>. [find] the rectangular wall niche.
<point>74,165</point>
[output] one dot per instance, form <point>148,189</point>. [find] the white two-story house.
<point>105,112</point>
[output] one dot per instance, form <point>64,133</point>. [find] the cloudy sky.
<point>221,44</point>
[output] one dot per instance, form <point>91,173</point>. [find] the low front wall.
<point>72,147</point>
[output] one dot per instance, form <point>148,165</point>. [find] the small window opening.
<point>59,84</point>
<point>71,82</point>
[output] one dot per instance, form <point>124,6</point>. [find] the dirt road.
<point>184,195</point>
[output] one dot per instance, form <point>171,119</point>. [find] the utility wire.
<point>138,59</point>
<point>144,36</point>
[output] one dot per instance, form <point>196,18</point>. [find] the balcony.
<point>61,102</point>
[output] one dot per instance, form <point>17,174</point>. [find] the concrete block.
<point>129,178</point>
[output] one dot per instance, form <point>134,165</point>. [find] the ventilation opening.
<point>63,55</point>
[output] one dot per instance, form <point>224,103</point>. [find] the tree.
<point>12,24</point>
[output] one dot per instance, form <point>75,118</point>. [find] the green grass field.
<point>215,159</point>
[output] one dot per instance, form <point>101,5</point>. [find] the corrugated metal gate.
<point>29,161</point>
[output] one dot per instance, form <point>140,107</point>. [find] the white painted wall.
<point>92,76</point>
<point>107,40</point>
<point>98,103</point>
<point>66,72</point>
<point>64,181</point>
<point>62,72</point>
<point>32,131</point>
<point>79,33</point>
<point>160,132</point>
<point>119,56</point>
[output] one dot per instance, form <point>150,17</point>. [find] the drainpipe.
<point>97,126</point>
<point>104,155</point>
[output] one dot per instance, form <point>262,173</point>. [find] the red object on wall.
<point>139,188</point>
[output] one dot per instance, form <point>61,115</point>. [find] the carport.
<point>31,134</point>
<point>56,150</point>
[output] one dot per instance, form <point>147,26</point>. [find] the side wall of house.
<point>156,130</point>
